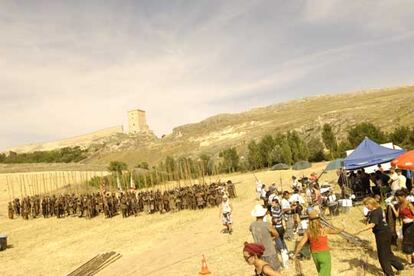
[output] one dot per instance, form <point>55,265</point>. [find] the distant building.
<point>137,122</point>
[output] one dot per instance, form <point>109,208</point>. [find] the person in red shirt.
<point>405,211</point>
<point>317,235</point>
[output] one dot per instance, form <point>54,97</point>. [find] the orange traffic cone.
<point>204,268</point>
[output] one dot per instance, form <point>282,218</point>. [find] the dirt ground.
<point>169,244</point>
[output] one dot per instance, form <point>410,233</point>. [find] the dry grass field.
<point>169,244</point>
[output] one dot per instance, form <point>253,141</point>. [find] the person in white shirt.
<point>296,197</point>
<point>263,192</point>
<point>259,185</point>
<point>402,179</point>
<point>309,193</point>
<point>225,214</point>
<point>297,202</point>
<point>332,203</point>
<point>295,183</point>
<point>287,212</point>
<point>272,196</point>
<point>394,181</point>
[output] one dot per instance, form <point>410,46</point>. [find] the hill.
<point>82,140</point>
<point>386,108</point>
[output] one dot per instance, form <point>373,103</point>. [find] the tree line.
<point>63,155</point>
<point>287,148</point>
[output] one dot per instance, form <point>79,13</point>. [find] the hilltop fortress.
<point>137,122</point>
<point>137,125</point>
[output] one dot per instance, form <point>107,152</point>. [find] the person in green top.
<point>317,236</point>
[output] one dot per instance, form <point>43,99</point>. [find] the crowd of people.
<point>378,182</point>
<point>283,215</point>
<point>128,203</point>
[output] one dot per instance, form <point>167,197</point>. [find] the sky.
<point>72,67</point>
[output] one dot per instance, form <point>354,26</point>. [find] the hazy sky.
<point>71,67</point>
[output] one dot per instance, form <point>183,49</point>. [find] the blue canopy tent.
<point>369,153</point>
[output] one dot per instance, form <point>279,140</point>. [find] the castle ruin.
<point>137,122</point>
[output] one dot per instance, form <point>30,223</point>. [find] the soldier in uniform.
<point>123,206</point>
<point>200,200</point>
<point>165,202</point>
<point>152,202</point>
<point>44,207</point>
<point>10,210</point>
<point>25,208</point>
<point>178,200</point>
<point>90,205</point>
<point>17,206</point>
<point>231,189</point>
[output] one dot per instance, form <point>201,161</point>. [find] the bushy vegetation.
<point>287,148</point>
<point>291,147</point>
<point>63,155</point>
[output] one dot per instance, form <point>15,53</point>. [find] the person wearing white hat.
<point>262,233</point>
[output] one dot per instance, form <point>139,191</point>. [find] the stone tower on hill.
<point>137,122</point>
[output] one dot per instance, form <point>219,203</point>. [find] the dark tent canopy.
<point>280,166</point>
<point>301,165</point>
<point>369,153</point>
<point>335,164</point>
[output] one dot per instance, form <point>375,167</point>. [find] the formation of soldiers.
<point>130,203</point>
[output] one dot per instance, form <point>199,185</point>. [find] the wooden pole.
<point>24,185</point>
<point>151,179</point>
<point>30,182</point>
<point>73,177</point>
<point>181,174</point>
<point>34,188</point>
<point>57,180</point>
<point>8,187</point>
<point>188,172</point>
<point>44,184</point>
<point>81,182</point>
<point>21,186</point>
<point>39,188</point>
<point>145,179</point>
<point>26,188</point>
<point>65,183</point>
<point>202,173</point>
<point>11,185</point>
<point>34,183</point>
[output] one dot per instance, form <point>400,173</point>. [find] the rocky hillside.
<point>83,141</point>
<point>386,108</point>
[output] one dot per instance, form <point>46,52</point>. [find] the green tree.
<point>343,146</point>
<point>298,147</point>
<point>286,153</point>
<point>117,166</point>
<point>265,147</point>
<point>230,160</point>
<point>358,133</point>
<point>276,154</point>
<point>205,160</point>
<point>253,156</point>
<point>171,167</point>
<point>316,150</point>
<point>143,165</point>
<point>401,136</point>
<point>329,140</point>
